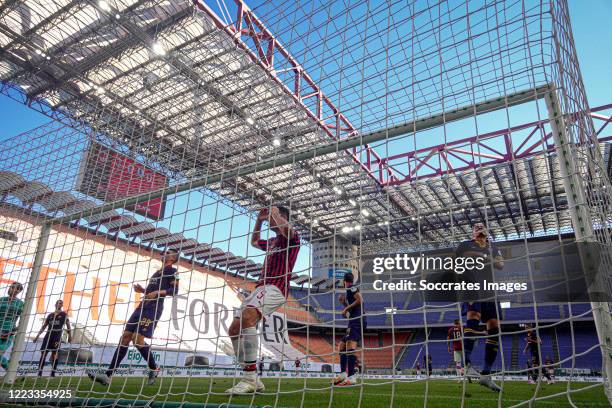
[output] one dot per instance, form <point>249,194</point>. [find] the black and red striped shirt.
<point>454,334</point>
<point>281,254</point>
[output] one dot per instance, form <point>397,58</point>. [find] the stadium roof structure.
<point>178,85</point>
<point>30,193</point>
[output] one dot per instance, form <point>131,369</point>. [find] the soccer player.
<point>269,295</point>
<point>10,310</point>
<point>52,341</point>
<point>530,372</point>
<point>354,308</point>
<point>418,369</point>
<point>143,320</point>
<point>486,312</point>
<point>298,364</point>
<point>454,337</point>
<point>533,343</point>
<point>549,367</point>
<point>427,360</point>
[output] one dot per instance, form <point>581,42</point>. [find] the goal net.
<point>342,204</point>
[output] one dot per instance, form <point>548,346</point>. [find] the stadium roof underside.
<point>181,88</point>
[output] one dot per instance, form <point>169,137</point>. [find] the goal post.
<point>30,298</point>
<point>582,222</point>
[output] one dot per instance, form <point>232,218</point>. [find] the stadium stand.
<point>313,345</point>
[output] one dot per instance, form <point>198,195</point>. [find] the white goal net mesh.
<point>214,162</point>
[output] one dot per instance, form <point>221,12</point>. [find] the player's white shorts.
<point>266,299</point>
<point>458,356</point>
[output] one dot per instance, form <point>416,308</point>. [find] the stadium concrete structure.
<point>332,259</point>
<point>381,136</point>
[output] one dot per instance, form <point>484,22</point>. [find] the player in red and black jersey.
<point>269,295</point>
<point>454,337</point>
<point>298,365</point>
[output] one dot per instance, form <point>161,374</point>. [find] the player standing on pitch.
<point>354,311</point>
<point>52,341</point>
<point>428,361</point>
<point>486,312</point>
<point>533,343</point>
<point>143,320</point>
<point>454,337</point>
<point>269,295</point>
<point>298,364</point>
<point>10,310</point>
<point>550,369</point>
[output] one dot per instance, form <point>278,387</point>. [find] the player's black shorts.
<point>354,330</point>
<point>144,319</point>
<point>51,343</point>
<point>487,310</point>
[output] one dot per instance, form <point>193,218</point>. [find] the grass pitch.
<point>291,392</point>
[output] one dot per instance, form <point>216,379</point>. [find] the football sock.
<point>469,332</point>
<point>343,361</point>
<point>120,353</point>
<point>491,348</point>
<point>54,365</point>
<point>145,352</point>
<point>238,352</point>
<point>250,344</point>
<point>351,360</point>
<point>41,364</point>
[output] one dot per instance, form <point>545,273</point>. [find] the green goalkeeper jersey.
<point>10,310</point>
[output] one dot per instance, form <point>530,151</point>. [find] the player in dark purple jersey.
<point>486,312</point>
<point>143,320</point>
<point>353,311</point>
<point>532,344</point>
<point>428,362</point>
<point>52,341</point>
<point>529,371</point>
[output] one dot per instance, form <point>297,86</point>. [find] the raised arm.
<point>256,235</point>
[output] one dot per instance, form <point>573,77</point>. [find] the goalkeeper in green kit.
<point>10,310</point>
